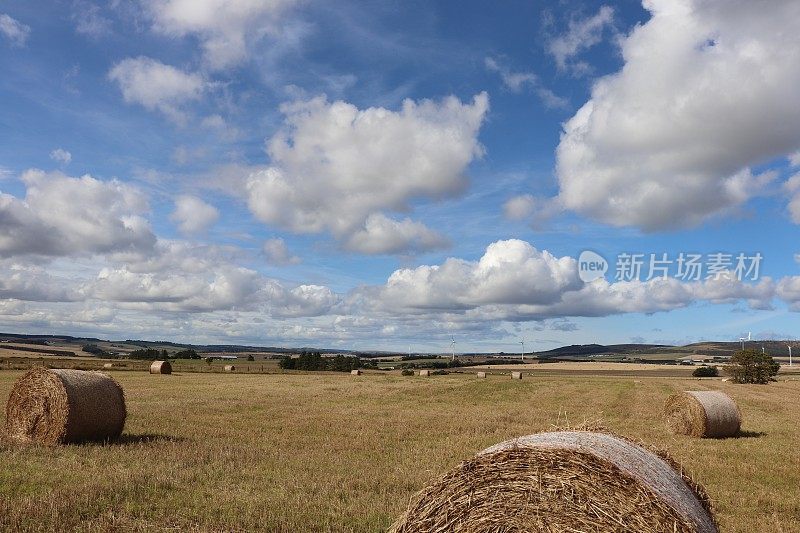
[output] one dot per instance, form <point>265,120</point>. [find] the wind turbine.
<point>522,342</point>
<point>790,353</point>
<point>453,346</point>
<point>743,339</point>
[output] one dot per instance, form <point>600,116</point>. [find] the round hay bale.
<point>481,374</point>
<point>108,365</point>
<point>62,406</point>
<point>711,414</point>
<point>160,367</point>
<point>355,372</point>
<point>425,373</point>
<point>561,481</point>
<point>229,368</point>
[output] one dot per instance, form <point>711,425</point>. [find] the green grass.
<point>330,452</point>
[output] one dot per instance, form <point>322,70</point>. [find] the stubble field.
<point>332,452</point>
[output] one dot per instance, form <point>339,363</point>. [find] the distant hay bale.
<point>65,406</point>
<point>425,373</point>
<point>561,481</point>
<point>108,365</point>
<point>516,375</point>
<point>229,368</point>
<point>711,414</point>
<point>355,372</point>
<point>160,367</point>
<point>481,374</point>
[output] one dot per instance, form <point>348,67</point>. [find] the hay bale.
<point>229,368</point>
<point>64,406</point>
<point>355,372</point>
<point>481,374</point>
<point>703,414</point>
<point>108,365</point>
<point>425,373</point>
<point>160,367</point>
<point>561,481</point>
<point>516,375</point>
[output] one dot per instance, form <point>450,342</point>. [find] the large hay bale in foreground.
<point>229,368</point>
<point>561,481</point>
<point>711,414</point>
<point>160,367</point>
<point>65,406</point>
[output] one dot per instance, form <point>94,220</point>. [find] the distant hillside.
<point>645,352</point>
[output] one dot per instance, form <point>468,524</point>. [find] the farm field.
<point>334,452</point>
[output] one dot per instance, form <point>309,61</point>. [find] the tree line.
<point>315,361</point>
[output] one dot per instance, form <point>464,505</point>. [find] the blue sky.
<point>386,174</point>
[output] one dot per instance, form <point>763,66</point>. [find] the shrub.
<point>407,372</point>
<point>752,366</point>
<point>706,372</point>
<point>251,358</point>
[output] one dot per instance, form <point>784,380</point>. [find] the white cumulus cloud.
<point>157,86</point>
<point>383,235</point>
<point>62,215</point>
<point>225,28</point>
<point>277,253</point>
<point>193,215</point>
<point>706,93</point>
<point>334,166</point>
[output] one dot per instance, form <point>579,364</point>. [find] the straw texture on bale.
<point>561,481</point>
<point>229,368</point>
<point>481,374</point>
<point>355,372</point>
<point>65,406</point>
<point>516,375</point>
<point>160,367</point>
<point>424,372</point>
<point>711,414</point>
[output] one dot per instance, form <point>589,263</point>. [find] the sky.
<point>393,175</point>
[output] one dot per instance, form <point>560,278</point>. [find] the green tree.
<point>752,366</point>
<point>705,372</point>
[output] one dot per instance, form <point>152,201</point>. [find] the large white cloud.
<point>62,215</point>
<point>509,272</point>
<point>157,86</point>
<point>334,166</point>
<point>225,28</point>
<point>707,92</point>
